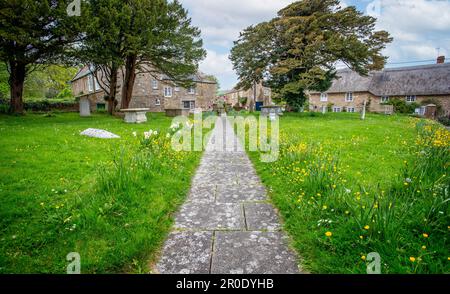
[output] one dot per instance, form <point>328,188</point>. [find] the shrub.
<point>445,120</point>
<point>401,106</point>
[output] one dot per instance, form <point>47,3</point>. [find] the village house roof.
<point>431,79</point>
<point>197,78</point>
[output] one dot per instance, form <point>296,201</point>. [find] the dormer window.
<point>191,90</point>
<point>167,91</point>
<point>349,97</point>
<point>154,84</point>
<point>323,97</point>
<point>90,82</point>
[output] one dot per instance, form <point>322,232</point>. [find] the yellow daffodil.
<point>366,227</point>
<point>328,234</point>
<point>412,259</point>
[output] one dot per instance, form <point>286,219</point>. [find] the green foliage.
<point>445,120</point>
<point>298,50</point>
<point>49,82</point>
<point>401,106</point>
<point>4,86</point>
<point>32,33</point>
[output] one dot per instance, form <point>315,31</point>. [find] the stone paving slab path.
<point>227,225</point>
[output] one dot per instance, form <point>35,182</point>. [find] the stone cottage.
<point>158,93</point>
<point>263,95</point>
<point>413,84</point>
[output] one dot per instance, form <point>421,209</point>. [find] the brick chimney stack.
<point>441,59</point>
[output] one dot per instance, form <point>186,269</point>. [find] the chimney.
<point>441,59</point>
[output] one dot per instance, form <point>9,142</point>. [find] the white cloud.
<point>221,21</point>
<point>418,27</point>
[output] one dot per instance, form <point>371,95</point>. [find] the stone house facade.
<point>157,93</point>
<point>417,84</point>
<point>263,95</point>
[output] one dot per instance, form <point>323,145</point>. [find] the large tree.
<point>34,32</point>
<point>159,40</point>
<point>251,55</point>
<point>104,47</point>
<point>299,49</point>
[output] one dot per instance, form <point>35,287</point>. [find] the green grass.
<point>369,184</point>
<point>110,200</point>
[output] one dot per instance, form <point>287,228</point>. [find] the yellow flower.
<point>361,237</point>
<point>412,259</point>
<point>325,207</point>
<point>363,257</point>
<point>328,234</point>
<point>348,212</point>
<point>366,227</point>
<point>424,247</point>
<point>425,235</point>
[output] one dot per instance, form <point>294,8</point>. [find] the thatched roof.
<point>416,80</point>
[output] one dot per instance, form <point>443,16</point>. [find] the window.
<point>191,90</point>
<point>97,85</point>
<point>349,97</point>
<point>351,109</point>
<point>266,92</point>
<point>90,82</point>
<point>188,104</point>
<point>157,102</point>
<point>167,91</point>
<point>323,97</point>
<point>337,109</point>
<point>101,106</point>
<point>177,89</point>
<point>411,98</point>
<point>154,84</point>
<point>384,99</point>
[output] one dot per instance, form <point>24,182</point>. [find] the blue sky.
<point>419,27</point>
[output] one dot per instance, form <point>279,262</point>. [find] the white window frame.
<point>323,97</point>
<point>191,104</point>
<point>411,98</point>
<point>177,89</point>
<point>158,102</point>
<point>385,99</point>
<point>349,97</point>
<point>352,108</point>
<point>266,92</point>
<point>336,108</point>
<point>90,83</point>
<point>168,92</point>
<point>155,84</point>
<point>97,85</point>
<point>191,91</point>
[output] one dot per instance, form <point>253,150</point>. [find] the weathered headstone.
<point>85,107</point>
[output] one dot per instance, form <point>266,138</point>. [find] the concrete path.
<point>227,225</point>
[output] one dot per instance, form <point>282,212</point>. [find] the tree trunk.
<point>112,91</point>
<point>128,83</point>
<point>16,83</point>
<point>253,100</point>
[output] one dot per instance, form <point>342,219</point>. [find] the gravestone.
<point>85,107</point>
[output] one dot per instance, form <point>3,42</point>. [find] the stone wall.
<point>145,95</point>
<point>375,105</point>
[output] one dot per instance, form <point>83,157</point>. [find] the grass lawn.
<point>347,187</point>
<point>110,200</point>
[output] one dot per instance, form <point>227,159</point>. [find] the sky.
<point>418,27</point>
